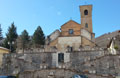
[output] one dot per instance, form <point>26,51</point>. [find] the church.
<point>68,52</point>
<point>73,35</point>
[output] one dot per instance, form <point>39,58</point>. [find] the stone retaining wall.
<point>93,62</point>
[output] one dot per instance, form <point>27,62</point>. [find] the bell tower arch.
<point>86,17</point>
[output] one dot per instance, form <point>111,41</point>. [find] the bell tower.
<point>86,17</point>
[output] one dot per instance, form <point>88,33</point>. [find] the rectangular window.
<point>70,49</point>
<point>71,31</point>
<point>60,57</point>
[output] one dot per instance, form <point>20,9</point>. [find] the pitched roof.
<point>4,48</point>
<point>69,22</point>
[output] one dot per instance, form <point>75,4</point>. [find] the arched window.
<point>86,25</point>
<point>86,12</point>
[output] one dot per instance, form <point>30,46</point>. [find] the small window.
<point>86,25</point>
<point>71,31</point>
<point>69,49</point>
<point>86,12</point>
<point>61,57</point>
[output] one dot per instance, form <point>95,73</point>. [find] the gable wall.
<point>70,25</point>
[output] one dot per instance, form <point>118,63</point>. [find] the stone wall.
<point>87,42</point>
<point>97,64</point>
<point>108,65</point>
<point>64,42</point>
<point>31,61</point>
<point>94,62</point>
<point>15,63</point>
<point>56,73</point>
<point>48,73</point>
<point>54,35</point>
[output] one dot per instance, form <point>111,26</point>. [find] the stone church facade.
<point>74,35</point>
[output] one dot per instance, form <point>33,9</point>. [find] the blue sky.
<point>51,14</point>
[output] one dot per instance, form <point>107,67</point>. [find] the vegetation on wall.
<point>116,47</point>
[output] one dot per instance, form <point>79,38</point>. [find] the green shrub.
<point>116,47</point>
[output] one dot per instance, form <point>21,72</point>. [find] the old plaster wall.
<point>54,35</point>
<point>86,34</point>
<point>55,59</point>
<point>1,56</point>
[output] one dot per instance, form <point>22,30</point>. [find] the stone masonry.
<point>92,63</point>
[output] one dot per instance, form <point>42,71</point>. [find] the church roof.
<point>70,22</point>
